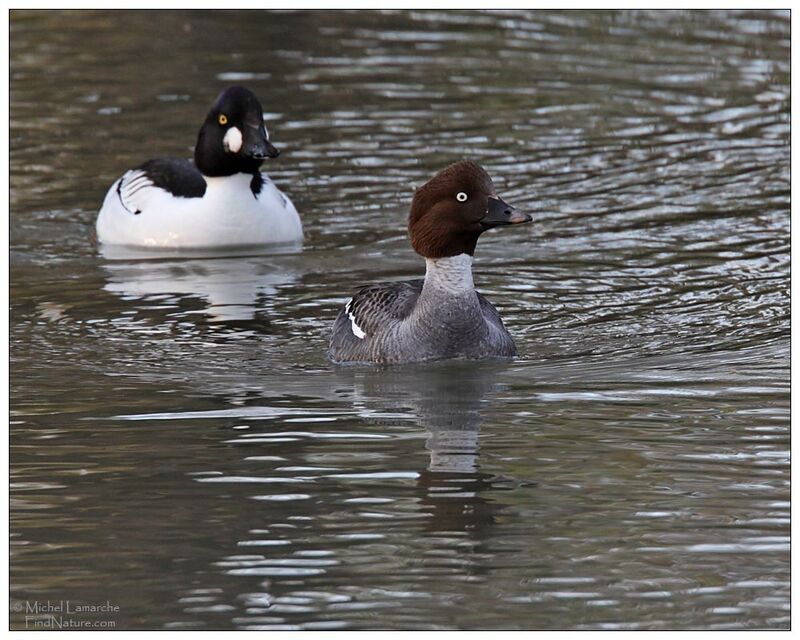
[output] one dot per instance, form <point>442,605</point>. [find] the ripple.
<point>630,470</point>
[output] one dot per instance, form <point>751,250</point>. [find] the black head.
<point>233,138</point>
<point>451,211</point>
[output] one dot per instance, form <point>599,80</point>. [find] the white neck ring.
<point>453,274</point>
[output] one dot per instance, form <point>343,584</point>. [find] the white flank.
<point>357,332</point>
<point>226,216</point>
<point>232,140</point>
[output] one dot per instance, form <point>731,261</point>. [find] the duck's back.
<point>370,319</point>
<point>387,323</point>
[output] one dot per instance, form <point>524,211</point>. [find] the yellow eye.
<point>223,119</point>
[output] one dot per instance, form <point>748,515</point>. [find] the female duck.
<point>222,200</point>
<point>441,316</point>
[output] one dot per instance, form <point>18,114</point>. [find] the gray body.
<point>415,321</point>
<point>441,316</point>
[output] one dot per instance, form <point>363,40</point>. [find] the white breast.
<point>227,215</point>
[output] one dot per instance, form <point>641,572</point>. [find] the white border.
<point>306,4</point>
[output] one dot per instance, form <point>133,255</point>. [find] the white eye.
<point>461,196</point>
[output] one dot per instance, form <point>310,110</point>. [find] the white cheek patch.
<point>232,140</point>
<point>357,332</point>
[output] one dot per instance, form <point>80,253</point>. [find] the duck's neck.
<point>449,276</point>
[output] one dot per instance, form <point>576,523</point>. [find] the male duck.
<point>222,200</point>
<point>441,316</point>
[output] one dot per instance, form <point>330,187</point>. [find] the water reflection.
<point>319,506</point>
<point>446,399</point>
<point>230,286</point>
<point>633,475</point>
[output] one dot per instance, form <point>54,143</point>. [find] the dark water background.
<point>181,448</point>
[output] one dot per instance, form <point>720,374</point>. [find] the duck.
<point>223,199</point>
<point>440,316</point>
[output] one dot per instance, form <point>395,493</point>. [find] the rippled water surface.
<point>181,447</point>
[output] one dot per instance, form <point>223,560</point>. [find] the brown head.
<point>451,211</point>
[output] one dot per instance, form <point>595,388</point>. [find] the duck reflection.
<point>229,285</point>
<point>447,399</point>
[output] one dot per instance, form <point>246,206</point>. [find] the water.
<point>182,449</point>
